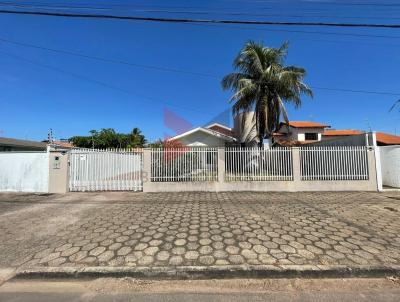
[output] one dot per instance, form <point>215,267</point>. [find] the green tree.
<point>136,139</point>
<point>261,82</point>
<point>109,138</point>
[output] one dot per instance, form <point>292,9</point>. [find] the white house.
<point>299,132</point>
<point>214,135</point>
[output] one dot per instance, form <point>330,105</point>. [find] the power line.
<point>298,31</point>
<point>115,61</point>
<point>357,91</point>
<point>82,77</point>
<point>199,21</point>
<point>199,12</point>
<point>168,69</point>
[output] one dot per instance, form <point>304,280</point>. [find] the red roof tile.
<point>342,132</point>
<point>290,143</point>
<point>63,144</point>
<point>306,124</point>
<point>387,139</point>
<point>221,130</point>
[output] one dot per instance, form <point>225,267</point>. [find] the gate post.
<point>146,172</point>
<point>58,171</point>
<point>296,164</point>
<point>221,165</point>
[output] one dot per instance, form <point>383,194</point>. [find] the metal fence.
<point>334,163</point>
<point>258,164</point>
<point>106,170</point>
<point>184,164</point>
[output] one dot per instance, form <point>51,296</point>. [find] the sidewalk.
<point>201,234</point>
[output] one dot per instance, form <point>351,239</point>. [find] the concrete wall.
<point>24,171</point>
<point>390,165</point>
<point>297,185</point>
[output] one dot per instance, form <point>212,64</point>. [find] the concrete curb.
<point>213,272</point>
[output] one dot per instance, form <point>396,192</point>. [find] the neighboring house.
<point>214,135</point>
<point>61,144</point>
<point>12,144</point>
<point>386,139</point>
<point>333,134</point>
<point>299,133</point>
<point>382,139</point>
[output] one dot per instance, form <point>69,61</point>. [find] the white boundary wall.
<point>390,165</point>
<point>24,171</point>
<point>368,182</point>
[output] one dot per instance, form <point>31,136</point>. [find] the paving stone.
<point>146,260</point>
<point>249,254</point>
<point>63,247</point>
<point>123,251</point>
<point>178,250</point>
<point>219,254</point>
<point>192,255</point>
<point>206,250</point>
<point>97,251</point>
<point>106,256</point>
<point>70,251</point>
<point>175,260</point>
<point>169,229</point>
<point>260,249</point>
<point>180,242</point>
<point>205,241</point>
<point>236,259</point>
<point>232,249</point>
<point>78,256</point>
<point>141,246</point>
<point>206,260</point>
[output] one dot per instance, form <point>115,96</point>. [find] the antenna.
<point>50,137</point>
<point>368,124</point>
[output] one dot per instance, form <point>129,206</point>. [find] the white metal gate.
<point>106,170</point>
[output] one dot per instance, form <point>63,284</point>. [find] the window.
<point>311,136</point>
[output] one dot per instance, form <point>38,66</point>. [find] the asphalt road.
<point>279,290</point>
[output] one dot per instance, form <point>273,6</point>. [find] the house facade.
<point>214,135</point>
<point>299,132</point>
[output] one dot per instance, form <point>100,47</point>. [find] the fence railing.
<point>334,163</point>
<point>106,170</point>
<point>258,164</point>
<point>184,164</point>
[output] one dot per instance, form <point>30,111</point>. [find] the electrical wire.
<point>199,21</point>
<point>168,69</point>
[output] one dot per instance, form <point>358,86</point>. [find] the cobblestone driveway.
<point>199,229</point>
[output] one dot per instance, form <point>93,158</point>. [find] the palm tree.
<point>136,138</point>
<point>262,83</point>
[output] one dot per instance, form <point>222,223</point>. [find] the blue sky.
<point>75,94</point>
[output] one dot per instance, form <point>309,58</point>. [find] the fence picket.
<point>105,170</point>
<point>334,163</point>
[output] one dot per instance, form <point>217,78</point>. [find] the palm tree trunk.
<point>261,141</point>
